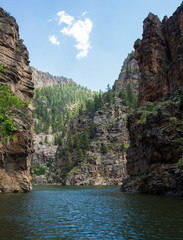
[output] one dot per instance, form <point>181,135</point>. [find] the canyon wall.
<point>155,155</point>
<point>43,79</point>
<point>160,56</point>
<point>15,166</point>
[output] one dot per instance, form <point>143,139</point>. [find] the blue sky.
<point>86,40</point>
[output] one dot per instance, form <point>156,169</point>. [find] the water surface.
<point>57,212</point>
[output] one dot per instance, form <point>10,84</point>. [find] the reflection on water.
<point>57,212</point>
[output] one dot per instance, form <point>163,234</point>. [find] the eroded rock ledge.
<point>15,167</point>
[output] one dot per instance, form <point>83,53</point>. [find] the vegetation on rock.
<point>9,104</point>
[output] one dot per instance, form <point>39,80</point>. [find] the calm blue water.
<point>57,212</point>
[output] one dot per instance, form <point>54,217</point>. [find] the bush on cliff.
<point>8,103</point>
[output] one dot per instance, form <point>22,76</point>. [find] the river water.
<point>57,212</point>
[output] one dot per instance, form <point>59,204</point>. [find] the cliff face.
<point>42,79</point>
<point>155,155</point>
<point>97,166</point>
<point>160,56</point>
<point>101,167</point>
<point>15,167</point>
<point>129,73</point>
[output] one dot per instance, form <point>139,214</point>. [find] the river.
<point>58,212</point>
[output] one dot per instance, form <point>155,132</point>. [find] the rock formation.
<point>155,155</point>
<point>159,56</point>
<point>15,167</point>
<point>42,79</point>
<point>100,167</point>
<point>129,73</point>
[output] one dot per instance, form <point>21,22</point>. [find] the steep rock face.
<point>109,124</point>
<point>129,73</point>
<point>154,158</point>
<point>160,56</point>
<point>15,167</point>
<point>42,79</point>
<point>98,167</point>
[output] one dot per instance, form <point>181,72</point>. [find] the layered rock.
<point>15,167</point>
<point>160,56</point>
<point>154,158</point>
<point>98,167</point>
<point>129,73</point>
<point>42,79</point>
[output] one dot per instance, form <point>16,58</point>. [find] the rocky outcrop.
<point>99,167</point>
<point>155,155</point>
<point>160,56</point>
<point>15,167</point>
<point>129,73</point>
<point>42,79</point>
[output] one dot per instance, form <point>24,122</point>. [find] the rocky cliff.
<point>15,167</point>
<point>155,155</point>
<point>159,56</point>
<point>129,73</point>
<point>102,161</point>
<point>42,79</point>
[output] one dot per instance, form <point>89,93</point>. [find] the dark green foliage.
<point>181,100</point>
<point>122,148</point>
<point>38,170</point>
<point>123,96</point>
<point>58,140</point>
<point>179,164</point>
<point>91,129</point>
<point>54,106</point>
<point>110,95</point>
<point>50,161</point>
<point>131,56</point>
<point>131,98</point>
<point>104,148</point>
<point>80,156</point>
<point>128,97</point>
<point>70,142</point>
<point>98,101</point>
<point>128,71</point>
<point>46,139</point>
<point>76,142</point>
<point>62,152</point>
<point>67,161</point>
<point>85,141</point>
<point>9,103</point>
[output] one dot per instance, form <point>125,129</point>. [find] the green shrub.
<point>179,164</point>
<point>38,170</point>
<point>104,148</point>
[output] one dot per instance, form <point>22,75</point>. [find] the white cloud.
<point>53,40</point>
<point>78,29</point>
<point>63,17</point>
<point>84,13</point>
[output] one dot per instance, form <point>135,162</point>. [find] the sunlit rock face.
<point>155,155</point>
<point>160,56</point>
<point>15,167</point>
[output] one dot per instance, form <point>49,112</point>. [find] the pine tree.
<point>80,156</point>
<point>123,96</point>
<point>91,129</point>
<point>104,148</point>
<point>76,141</point>
<point>68,161</point>
<point>70,142</point>
<point>122,148</point>
<point>85,141</point>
